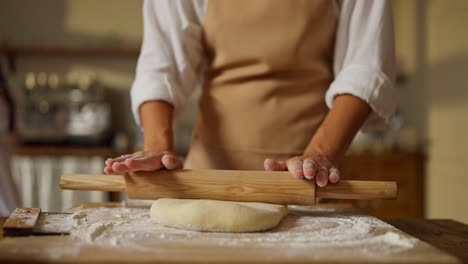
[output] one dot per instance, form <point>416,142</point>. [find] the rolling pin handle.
<point>93,182</point>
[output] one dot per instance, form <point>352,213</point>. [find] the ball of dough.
<point>217,216</point>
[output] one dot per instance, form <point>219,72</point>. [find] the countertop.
<point>447,235</point>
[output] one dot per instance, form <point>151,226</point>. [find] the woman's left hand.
<point>311,167</point>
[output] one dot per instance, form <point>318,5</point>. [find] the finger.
<point>108,170</point>
<point>122,158</point>
<point>147,163</point>
<point>171,162</point>
<point>109,161</point>
<point>322,177</point>
<point>309,167</point>
<point>295,167</point>
<point>334,175</point>
<point>273,165</point>
<point>119,167</point>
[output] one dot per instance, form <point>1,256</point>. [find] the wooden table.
<point>447,235</point>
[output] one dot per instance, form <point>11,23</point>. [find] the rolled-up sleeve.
<point>364,62</point>
<point>171,57</point>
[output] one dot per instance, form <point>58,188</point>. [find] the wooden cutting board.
<point>63,249</point>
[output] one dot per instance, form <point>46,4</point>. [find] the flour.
<point>396,239</point>
<point>320,230</point>
<point>78,218</point>
<point>79,215</point>
<point>94,231</point>
<point>55,223</point>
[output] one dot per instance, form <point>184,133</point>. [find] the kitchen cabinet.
<point>406,168</point>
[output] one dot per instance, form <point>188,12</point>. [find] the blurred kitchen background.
<point>69,64</point>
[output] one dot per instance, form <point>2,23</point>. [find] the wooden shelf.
<point>64,150</point>
<point>12,52</point>
<point>78,51</point>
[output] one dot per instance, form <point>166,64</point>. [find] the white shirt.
<point>171,61</point>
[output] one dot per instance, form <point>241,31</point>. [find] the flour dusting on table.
<point>314,228</point>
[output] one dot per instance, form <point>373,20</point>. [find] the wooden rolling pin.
<point>244,186</point>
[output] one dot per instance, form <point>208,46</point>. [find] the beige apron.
<point>269,65</point>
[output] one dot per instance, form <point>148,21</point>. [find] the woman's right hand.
<point>143,161</point>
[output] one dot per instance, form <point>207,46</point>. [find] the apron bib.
<point>269,66</point>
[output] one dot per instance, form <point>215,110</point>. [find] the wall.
<point>447,84</point>
<point>433,42</point>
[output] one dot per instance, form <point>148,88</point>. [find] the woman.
<point>269,70</point>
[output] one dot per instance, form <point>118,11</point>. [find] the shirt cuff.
<point>372,86</point>
<point>149,87</point>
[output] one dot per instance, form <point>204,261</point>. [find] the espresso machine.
<point>63,109</point>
